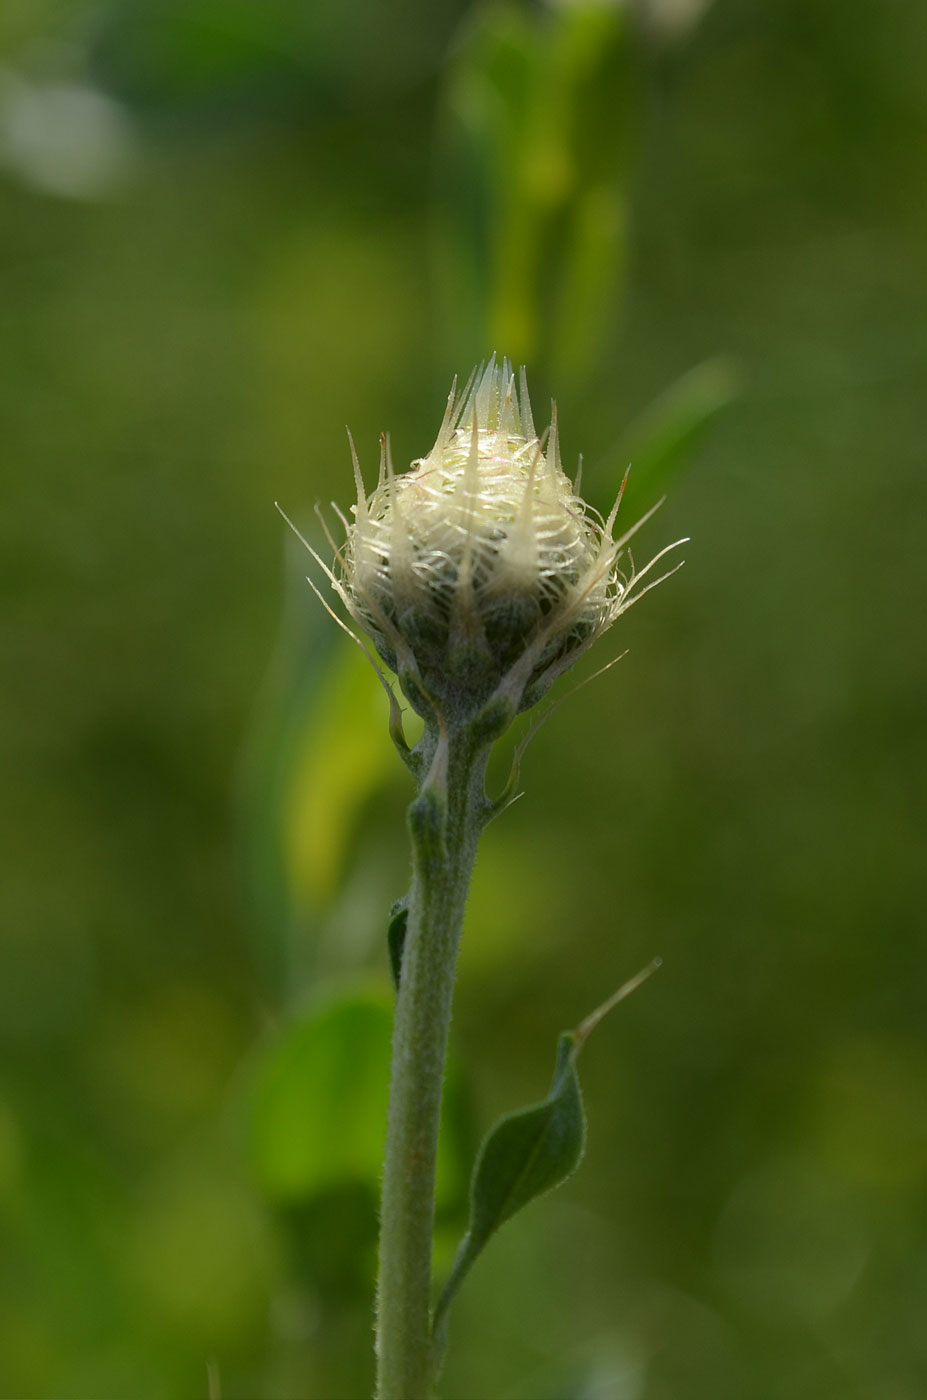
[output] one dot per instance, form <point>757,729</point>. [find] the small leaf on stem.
<point>396,937</point>
<point>528,1152</point>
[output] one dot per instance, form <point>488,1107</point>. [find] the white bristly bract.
<point>480,574</point>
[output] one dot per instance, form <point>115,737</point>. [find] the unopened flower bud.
<point>480,572</point>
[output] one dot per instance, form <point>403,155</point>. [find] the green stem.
<point>444,824</point>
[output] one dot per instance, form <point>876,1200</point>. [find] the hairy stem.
<point>444,825</point>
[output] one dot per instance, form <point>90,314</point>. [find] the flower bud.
<point>480,572</point>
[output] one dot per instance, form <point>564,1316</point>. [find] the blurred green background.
<point>227,227</point>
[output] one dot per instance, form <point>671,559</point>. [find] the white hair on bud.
<point>488,527</point>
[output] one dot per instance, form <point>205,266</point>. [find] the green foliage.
<point>320,1099</point>
<point>316,756</point>
<point>529,1152</point>
<point>532,212</point>
<point>317,1104</point>
<point>526,1154</point>
<point>664,438</point>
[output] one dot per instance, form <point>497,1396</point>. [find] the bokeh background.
<point>227,227</point>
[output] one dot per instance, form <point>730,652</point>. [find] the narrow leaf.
<point>669,431</point>
<point>525,1154</point>
<point>528,1152</point>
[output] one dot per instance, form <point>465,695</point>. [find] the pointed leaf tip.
<point>528,1152</point>
<point>586,1027</point>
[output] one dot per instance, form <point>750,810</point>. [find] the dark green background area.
<point>271,226</point>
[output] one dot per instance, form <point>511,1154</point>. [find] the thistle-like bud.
<point>480,573</point>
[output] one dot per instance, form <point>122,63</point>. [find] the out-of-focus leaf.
<point>320,1100</point>
<point>306,651</point>
<point>530,224</point>
<point>341,756</point>
<point>592,276</point>
<point>318,749</point>
<point>318,1104</point>
<point>663,439</point>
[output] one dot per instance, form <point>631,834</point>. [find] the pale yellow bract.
<point>487,510</point>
